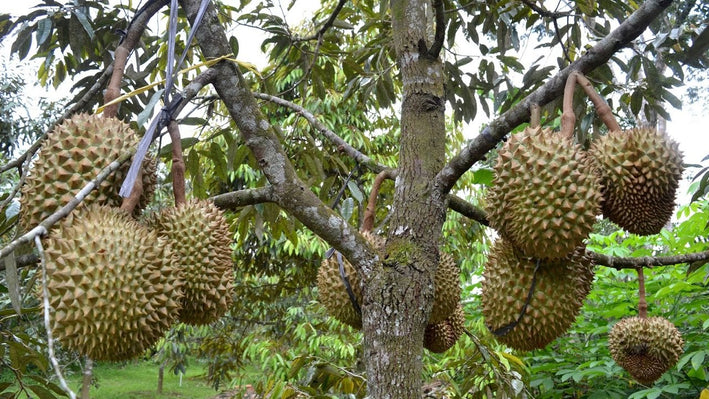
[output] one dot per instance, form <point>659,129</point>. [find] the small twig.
<point>371,209</point>
<point>561,41</point>
<point>329,134</point>
<point>642,302</point>
<point>52,219</point>
<point>47,322</point>
<point>328,24</point>
<point>178,164</point>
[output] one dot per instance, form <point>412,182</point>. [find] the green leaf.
<point>84,22</point>
<point>355,191</point>
<point>483,176</point>
<point>13,283</point>
<point>44,30</point>
<point>698,360</point>
<point>347,208</point>
<point>41,392</point>
<point>149,107</point>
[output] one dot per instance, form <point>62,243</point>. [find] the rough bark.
<point>398,294</point>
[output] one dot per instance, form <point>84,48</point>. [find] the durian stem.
<point>130,202</point>
<point>371,210</point>
<point>535,119</point>
<point>178,164</point>
<point>568,118</point>
<point>113,90</point>
<point>642,302</point>
<point>604,111</point>
<point>48,323</point>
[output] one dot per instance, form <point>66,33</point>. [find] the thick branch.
<point>289,192</point>
<point>329,134</point>
<point>467,209</point>
<point>440,34</point>
<point>629,30</point>
<point>237,199</point>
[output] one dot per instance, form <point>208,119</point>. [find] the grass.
<point>139,380</point>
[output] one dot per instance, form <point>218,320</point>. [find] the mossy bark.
<point>398,294</point>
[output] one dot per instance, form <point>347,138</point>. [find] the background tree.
<point>361,90</point>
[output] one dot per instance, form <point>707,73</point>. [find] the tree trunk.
<point>399,293</point>
<point>87,377</point>
<point>161,375</point>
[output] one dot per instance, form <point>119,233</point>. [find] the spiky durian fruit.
<point>527,302</point>
<point>199,235</point>
<point>447,289</point>
<point>640,171</point>
<point>331,288</point>
<point>545,196</point>
<point>645,347</point>
<point>441,336</point>
<point>73,153</point>
<point>113,285</point>
<point>333,294</point>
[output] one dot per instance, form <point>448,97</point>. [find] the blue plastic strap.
<point>163,117</point>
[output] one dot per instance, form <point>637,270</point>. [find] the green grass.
<point>139,380</point>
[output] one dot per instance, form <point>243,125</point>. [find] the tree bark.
<point>399,293</point>
<point>86,378</point>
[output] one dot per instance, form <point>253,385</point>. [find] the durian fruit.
<point>73,153</point>
<point>441,336</point>
<point>199,235</point>
<point>114,287</point>
<point>333,294</point>
<point>331,289</point>
<point>645,347</point>
<point>547,300</point>
<point>640,171</point>
<point>545,196</point>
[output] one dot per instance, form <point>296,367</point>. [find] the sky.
<point>688,126</point>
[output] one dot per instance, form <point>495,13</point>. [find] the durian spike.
<point>642,302</point>
<point>178,164</point>
<point>370,211</point>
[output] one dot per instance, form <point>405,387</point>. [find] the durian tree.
<point>398,66</point>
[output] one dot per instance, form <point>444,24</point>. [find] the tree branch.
<point>52,219</point>
<point>598,55</point>
<point>289,192</point>
<point>237,199</point>
<point>329,134</point>
<point>440,34</point>
<point>646,261</point>
<point>467,209</point>
<point>328,24</point>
